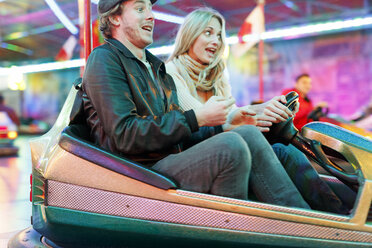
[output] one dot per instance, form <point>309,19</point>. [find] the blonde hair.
<point>105,24</point>
<point>194,24</point>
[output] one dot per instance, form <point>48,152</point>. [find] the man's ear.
<point>114,20</point>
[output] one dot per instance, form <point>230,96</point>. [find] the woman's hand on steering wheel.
<point>273,110</point>
<point>296,109</point>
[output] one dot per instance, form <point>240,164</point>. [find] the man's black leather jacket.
<point>125,110</point>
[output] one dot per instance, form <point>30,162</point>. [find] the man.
<point>132,109</point>
<point>302,87</point>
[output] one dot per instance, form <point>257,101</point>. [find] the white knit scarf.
<point>193,73</point>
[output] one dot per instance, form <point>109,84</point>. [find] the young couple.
<point>180,118</point>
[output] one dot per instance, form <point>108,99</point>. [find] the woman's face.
<point>208,44</point>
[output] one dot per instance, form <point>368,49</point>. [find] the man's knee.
<point>249,130</point>
<point>231,141</point>
<point>233,145</point>
<point>253,137</point>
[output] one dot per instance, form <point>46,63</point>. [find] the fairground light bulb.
<point>16,80</point>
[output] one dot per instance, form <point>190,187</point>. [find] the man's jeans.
<point>227,163</point>
<point>314,190</point>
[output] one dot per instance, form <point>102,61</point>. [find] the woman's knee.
<point>288,150</point>
<point>279,147</point>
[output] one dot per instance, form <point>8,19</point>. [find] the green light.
<point>16,48</point>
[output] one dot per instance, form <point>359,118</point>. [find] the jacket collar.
<point>157,63</point>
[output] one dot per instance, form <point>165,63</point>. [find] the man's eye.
<point>208,33</point>
<point>140,9</point>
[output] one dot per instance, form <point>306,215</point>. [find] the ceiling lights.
<point>283,33</point>
<point>16,48</point>
<point>62,17</point>
<point>43,67</point>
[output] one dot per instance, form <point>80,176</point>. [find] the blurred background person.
<point>303,86</point>
<point>10,111</point>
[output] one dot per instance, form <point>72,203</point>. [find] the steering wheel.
<point>285,132</point>
<point>317,113</point>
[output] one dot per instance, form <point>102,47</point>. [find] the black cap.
<point>106,5</point>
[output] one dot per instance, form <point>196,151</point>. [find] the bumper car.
<point>8,133</point>
<point>31,126</point>
<point>356,126</point>
<point>84,196</point>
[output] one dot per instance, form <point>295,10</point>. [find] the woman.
<point>197,68</point>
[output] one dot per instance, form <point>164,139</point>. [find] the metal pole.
<point>260,64</point>
<point>87,29</point>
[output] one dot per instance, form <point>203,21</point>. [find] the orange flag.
<point>253,25</point>
<point>67,50</point>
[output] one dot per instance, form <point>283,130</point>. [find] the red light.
<point>30,187</point>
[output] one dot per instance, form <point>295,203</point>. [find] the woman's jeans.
<point>315,191</point>
<point>227,163</point>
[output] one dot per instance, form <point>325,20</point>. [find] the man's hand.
<point>214,112</point>
<point>321,105</point>
<point>239,117</point>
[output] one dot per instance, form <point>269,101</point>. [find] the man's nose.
<point>150,15</point>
